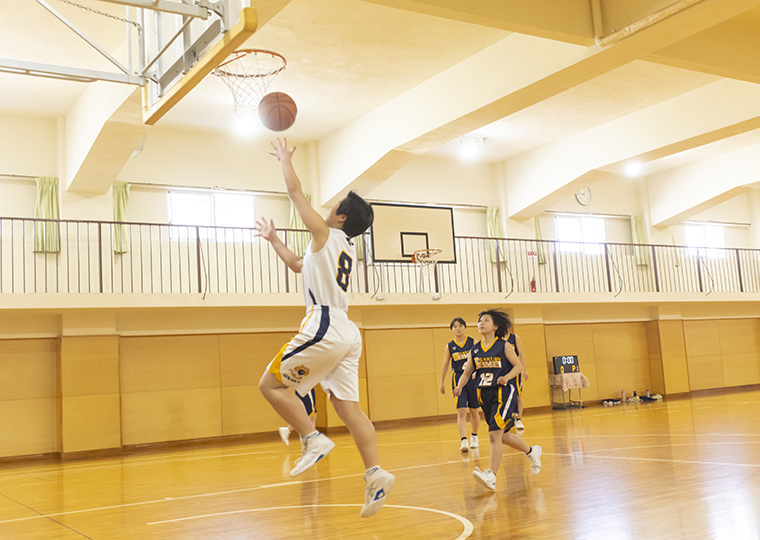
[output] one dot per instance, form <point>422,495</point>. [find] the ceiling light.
<point>247,125</point>
<point>471,147</point>
<point>633,169</point>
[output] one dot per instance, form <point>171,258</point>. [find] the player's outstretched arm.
<point>446,361</point>
<point>319,230</point>
<point>516,366</point>
<point>267,231</point>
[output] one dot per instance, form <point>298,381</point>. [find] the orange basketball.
<point>277,111</point>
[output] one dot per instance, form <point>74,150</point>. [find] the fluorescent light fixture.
<point>471,147</point>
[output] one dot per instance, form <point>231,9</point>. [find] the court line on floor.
<point>683,461</point>
<point>468,526</point>
<point>216,493</point>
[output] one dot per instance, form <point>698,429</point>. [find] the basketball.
<point>277,111</point>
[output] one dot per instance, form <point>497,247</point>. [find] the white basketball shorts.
<point>326,350</point>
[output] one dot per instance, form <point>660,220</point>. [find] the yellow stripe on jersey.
<point>274,365</point>
<point>501,422</point>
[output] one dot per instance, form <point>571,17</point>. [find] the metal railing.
<point>109,257</point>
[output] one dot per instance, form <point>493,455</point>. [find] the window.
<point>705,240</point>
<point>572,230</point>
<point>232,212</point>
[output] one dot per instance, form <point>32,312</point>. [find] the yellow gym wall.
<point>29,397</point>
<point>164,375</point>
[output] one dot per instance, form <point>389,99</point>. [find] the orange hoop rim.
<point>424,255</point>
<point>221,71</point>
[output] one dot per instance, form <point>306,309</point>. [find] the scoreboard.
<point>565,364</point>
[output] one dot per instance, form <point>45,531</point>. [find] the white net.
<point>426,259</point>
<point>248,74</point>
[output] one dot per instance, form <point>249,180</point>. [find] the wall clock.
<point>583,196</point>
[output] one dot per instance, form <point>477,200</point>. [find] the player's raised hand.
<point>265,229</point>
<point>281,150</point>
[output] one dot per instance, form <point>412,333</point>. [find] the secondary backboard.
<point>401,229</point>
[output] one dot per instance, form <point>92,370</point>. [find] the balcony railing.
<point>106,257</point>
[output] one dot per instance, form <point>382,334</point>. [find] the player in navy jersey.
<point>456,353</point>
<point>496,366</point>
<point>514,340</point>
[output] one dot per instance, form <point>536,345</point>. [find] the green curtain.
<point>359,247</point>
<point>120,203</point>
<point>493,225</point>
<point>541,247</point>
<point>47,235</point>
<point>640,252</point>
<point>297,241</point>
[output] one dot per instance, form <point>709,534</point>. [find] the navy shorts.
<point>499,404</point>
<point>309,402</point>
<point>468,399</point>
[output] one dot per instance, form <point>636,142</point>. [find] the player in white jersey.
<point>328,345</point>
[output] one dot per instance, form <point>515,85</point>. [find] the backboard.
<point>400,229</point>
<point>180,51</point>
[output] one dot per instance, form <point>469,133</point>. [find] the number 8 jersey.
<point>490,363</point>
<point>325,274</point>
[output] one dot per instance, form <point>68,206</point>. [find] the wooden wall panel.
<point>622,359</point>
<point>90,422</point>
<point>536,390</point>
<point>170,388</point>
<point>402,376</point>
<point>90,409</point>
<point>655,358</point>
<point>740,351</point>
<point>29,397</point>
<point>172,415</point>
<point>703,354</point>
<point>675,368</point>
<point>162,363</point>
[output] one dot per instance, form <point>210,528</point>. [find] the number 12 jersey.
<point>490,363</point>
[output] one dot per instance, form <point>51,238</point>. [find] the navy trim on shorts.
<point>324,324</point>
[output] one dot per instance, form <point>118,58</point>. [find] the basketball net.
<point>425,259</point>
<point>248,74</point>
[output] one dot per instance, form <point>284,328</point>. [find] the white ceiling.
<point>345,59</point>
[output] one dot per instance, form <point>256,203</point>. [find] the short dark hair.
<point>459,320</point>
<point>500,319</point>
<point>359,214</point>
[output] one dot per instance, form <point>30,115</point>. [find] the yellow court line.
<point>468,527</point>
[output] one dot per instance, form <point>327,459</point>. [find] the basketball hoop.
<point>248,74</point>
<point>426,260</point>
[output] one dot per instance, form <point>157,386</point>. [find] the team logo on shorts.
<point>299,373</point>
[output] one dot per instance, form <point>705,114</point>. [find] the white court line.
<point>685,461</point>
<point>215,493</point>
<point>179,459</point>
<point>669,446</point>
<point>468,527</point>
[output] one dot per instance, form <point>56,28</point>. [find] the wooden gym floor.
<point>685,468</point>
